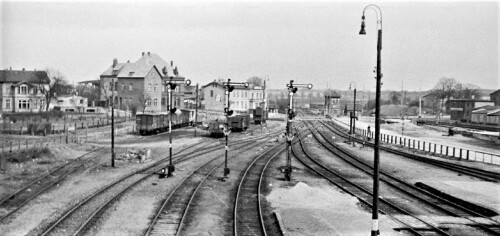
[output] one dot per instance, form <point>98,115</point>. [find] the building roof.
<point>141,67</point>
<point>486,109</point>
<point>213,82</point>
<point>498,91</point>
<point>468,100</point>
<point>15,76</point>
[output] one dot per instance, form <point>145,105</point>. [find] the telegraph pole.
<point>196,110</point>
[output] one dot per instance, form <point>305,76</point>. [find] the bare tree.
<point>50,83</point>
<point>88,91</point>
<point>467,91</point>
<point>255,80</point>
<point>445,88</point>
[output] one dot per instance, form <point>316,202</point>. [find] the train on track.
<point>236,123</point>
<point>259,115</point>
<point>152,123</point>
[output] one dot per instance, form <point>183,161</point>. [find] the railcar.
<point>151,123</point>
<point>259,115</point>
<point>239,122</point>
<point>216,129</point>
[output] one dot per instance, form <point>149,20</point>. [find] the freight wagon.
<point>151,123</point>
<point>259,115</point>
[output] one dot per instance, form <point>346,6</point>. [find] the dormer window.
<point>24,90</point>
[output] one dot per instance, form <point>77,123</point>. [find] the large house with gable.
<point>21,91</point>
<point>140,85</point>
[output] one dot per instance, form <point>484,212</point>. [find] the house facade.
<point>141,85</point>
<point>22,90</point>
<point>495,97</point>
<point>461,109</point>
<point>242,99</point>
<point>213,98</point>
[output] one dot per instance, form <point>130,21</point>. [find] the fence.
<point>25,129</point>
<point>424,146</point>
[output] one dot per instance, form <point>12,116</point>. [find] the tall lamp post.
<point>353,115</point>
<point>113,154</point>
<point>292,89</point>
<point>375,228</point>
<point>171,84</point>
<point>229,86</point>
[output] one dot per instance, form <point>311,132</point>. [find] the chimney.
<point>142,53</point>
<point>171,63</point>
<point>10,68</point>
<point>35,69</point>
<point>149,53</point>
<point>23,69</point>
<point>115,62</point>
<point>128,61</point>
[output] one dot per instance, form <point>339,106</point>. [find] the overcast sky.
<point>307,42</point>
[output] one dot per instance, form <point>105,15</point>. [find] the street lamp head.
<point>362,31</point>
<point>309,86</point>
<point>246,84</point>
<point>188,82</point>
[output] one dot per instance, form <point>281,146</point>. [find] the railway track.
<point>248,218</point>
<point>411,223</point>
<point>477,216</point>
<point>93,205</point>
<point>470,171</point>
<point>172,214</point>
<point>21,197</point>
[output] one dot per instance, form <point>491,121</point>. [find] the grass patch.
<point>27,155</point>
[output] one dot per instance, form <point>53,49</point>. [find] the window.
<point>211,93</point>
<point>246,94</point>
<point>149,88</point>
<point>163,88</point>
<point>156,101</point>
<point>156,87</point>
<point>130,87</point>
<point>17,90</point>
<point>7,103</point>
<point>23,104</point>
<point>24,90</point>
<point>148,102</point>
<point>110,86</point>
<point>163,101</point>
<point>35,90</point>
<point>81,101</point>
<point>116,86</point>
<point>123,86</point>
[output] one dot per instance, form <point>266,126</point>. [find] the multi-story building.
<point>213,98</point>
<point>241,99</point>
<point>141,85</point>
<point>461,109</point>
<point>21,90</point>
<point>495,97</point>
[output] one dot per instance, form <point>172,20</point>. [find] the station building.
<point>141,85</point>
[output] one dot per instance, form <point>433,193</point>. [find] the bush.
<point>40,128</point>
<point>27,155</point>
